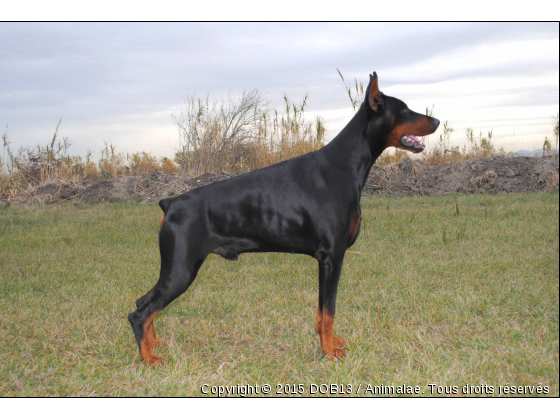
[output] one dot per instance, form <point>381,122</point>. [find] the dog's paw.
<point>336,354</point>
<point>153,360</point>
<point>339,342</point>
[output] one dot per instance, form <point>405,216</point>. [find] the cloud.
<point>93,74</point>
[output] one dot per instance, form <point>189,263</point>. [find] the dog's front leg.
<point>329,274</point>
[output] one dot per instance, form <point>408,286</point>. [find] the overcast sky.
<point>120,83</point>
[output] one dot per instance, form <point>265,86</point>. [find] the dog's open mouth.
<point>412,143</point>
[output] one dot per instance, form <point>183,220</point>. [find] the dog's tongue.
<point>413,139</point>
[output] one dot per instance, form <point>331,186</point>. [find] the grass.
<point>448,291</point>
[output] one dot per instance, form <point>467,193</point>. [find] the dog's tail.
<point>164,204</point>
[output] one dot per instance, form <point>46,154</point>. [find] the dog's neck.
<point>356,146</point>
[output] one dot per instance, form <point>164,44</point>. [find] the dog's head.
<point>393,123</point>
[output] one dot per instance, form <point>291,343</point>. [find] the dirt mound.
<point>406,178</point>
<point>493,175</point>
<point>124,188</point>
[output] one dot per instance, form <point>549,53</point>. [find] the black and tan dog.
<point>308,205</point>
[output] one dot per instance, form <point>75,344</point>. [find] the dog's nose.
<point>436,122</point>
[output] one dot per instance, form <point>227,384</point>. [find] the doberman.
<point>307,205</point>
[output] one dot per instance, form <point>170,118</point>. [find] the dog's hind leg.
<point>179,267</point>
<point>168,288</point>
<point>151,334</point>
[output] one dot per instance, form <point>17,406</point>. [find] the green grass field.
<point>427,296</point>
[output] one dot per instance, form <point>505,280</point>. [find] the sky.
<point>120,82</point>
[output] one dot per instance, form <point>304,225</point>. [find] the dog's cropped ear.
<point>373,94</point>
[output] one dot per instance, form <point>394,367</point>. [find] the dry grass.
<point>31,167</point>
<point>225,135</point>
<point>548,181</point>
<point>428,294</point>
<point>231,134</point>
<point>242,134</point>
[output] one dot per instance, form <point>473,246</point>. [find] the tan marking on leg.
<point>152,337</point>
<point>146,344</point>
<point>355,220</point>
<point>161,221</point>
<point>219,250</point>
<point>332,351</point>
